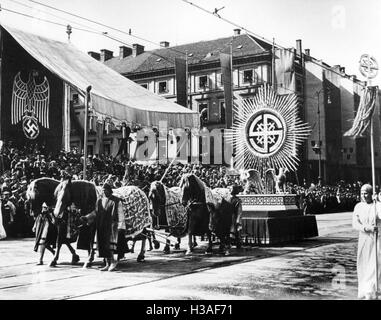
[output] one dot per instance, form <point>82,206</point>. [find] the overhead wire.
<point>255,35</point>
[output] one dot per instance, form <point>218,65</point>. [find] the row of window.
<point>249,76</point>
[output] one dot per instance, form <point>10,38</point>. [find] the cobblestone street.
<point>318,268</point>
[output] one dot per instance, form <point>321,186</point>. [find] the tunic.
<point>364,215</point>
<point>46,233</point>
<point>109,218</point>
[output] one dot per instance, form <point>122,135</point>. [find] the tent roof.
<point>112,96</point>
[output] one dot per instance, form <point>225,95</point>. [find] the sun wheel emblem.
<point>265,132</point>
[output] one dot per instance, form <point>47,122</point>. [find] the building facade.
<point>328,97</point>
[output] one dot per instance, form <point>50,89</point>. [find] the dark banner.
<point>226,69</point>
<point>181,81</point>
<point>31,99</point>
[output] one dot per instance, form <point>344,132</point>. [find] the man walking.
<point>109,219</point>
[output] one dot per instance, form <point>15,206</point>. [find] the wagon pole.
<point>173,160</point>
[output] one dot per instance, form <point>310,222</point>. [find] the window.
<point>163,87</point>
<point>329,100</point>
<point>202,82</point>
<point>107,149</point>
<point>144,85</point>
<point>222,112</point>
<point>220,83</point>
<point>75,98</point>
<point>90,149</point>
<point>248,76</point>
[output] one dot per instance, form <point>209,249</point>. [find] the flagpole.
<point>87,105</point>
<point>374,191</point>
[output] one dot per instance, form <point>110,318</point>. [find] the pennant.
<point>284,71</point>
<point>226,70</point>
<point>364,113</point>
<point>181,81</point>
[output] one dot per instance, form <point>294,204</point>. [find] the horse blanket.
<point>136,209</point>
<point>215,196</point>
<point>176,214</point>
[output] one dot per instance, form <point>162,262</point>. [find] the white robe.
<point>364,215</point>
<point>3,234</point>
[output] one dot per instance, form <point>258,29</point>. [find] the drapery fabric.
<point>112,95</point>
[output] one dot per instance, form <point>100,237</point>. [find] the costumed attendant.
<point>109,219</point>
<point>3,234</point>
<point>236,216</point>
<point>364,217</point>
<point>45,232</point>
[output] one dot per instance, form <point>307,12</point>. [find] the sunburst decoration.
<point>267,131</point>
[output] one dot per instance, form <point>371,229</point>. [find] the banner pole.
<point>374,188</point>
<point>87,105</point>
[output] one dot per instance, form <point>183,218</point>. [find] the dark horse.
<point>42,190</point>
<point>206,215</point>
<point>84,195</point>
<point>169,211</point>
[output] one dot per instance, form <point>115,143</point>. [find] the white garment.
<point>364,215</point>
<point>3,234</point>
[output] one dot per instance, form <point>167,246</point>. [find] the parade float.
<point>266,134</point>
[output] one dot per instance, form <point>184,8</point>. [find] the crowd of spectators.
<point>19,166</point>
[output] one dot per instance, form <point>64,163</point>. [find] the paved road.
<point>320,268</point>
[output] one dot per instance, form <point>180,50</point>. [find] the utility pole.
<point>320,179</point>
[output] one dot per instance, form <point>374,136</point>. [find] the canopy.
<point>112,96</point>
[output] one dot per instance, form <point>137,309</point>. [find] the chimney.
<point>137,49</point>
<point>308,52</point>
<point>124,52</point>
<point>164,44</point>
<point>95,55</point>
<point>342,70</point>
<point>299,47</point>
<point>106,55</point>
<point>237,32</point>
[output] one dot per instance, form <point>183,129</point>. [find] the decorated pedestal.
<point>273,219</point>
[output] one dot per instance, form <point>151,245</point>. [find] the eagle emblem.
<point>30,104</point>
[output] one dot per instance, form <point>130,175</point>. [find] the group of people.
<point>20,166</point>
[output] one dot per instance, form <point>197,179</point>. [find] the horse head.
<point>185,189</point>
<point>157,197</point>
<point>39,191</point>
<point>63,197</point>
<point>192,189</point>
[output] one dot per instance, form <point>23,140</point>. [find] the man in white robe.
<point>366,219</point>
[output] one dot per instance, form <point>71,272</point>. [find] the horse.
<point>42,190</point>
<point>169,211</point>
<point>207,211</point>
<point>84,195</point>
